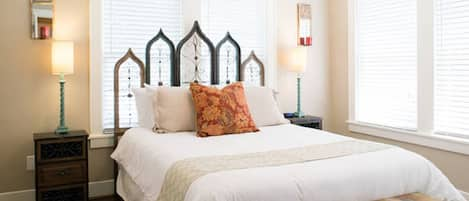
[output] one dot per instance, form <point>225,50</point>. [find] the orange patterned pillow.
<point>222,111</point>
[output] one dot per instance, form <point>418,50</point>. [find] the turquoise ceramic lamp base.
<point>62,128</point>
<point>298,112</point>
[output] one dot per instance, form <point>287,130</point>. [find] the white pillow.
<point>175,110</point>
<point>263,106</point>
<point>144,102</point>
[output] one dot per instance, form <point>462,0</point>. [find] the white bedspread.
<point>146,156</point>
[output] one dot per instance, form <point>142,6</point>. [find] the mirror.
<point>42,18</point>
<point>304,25</point>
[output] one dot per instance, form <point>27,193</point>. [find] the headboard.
<point>193,59</point>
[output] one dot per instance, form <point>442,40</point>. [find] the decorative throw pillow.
<point>222,111</point>
<point>175,110</point>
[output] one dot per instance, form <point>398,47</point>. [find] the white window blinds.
<point>386,48</point>
<point>131,24</point>
<point>452,67</point>
<point>244,19</point>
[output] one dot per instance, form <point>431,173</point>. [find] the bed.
<point>260,166</point>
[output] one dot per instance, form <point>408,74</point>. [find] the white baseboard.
<point>96,189</point>
<point>24,195</point>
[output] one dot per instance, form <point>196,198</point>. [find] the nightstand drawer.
<point>67,193</point>
<point>61,149</point>
<point>62,173</point>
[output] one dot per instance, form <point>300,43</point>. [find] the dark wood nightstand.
<point>61,163</point>
<point>307,121</point>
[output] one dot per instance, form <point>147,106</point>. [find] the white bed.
<point>144,157</point>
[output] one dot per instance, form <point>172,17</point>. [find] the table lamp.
<point>297,64</point>
<point>62,64</point>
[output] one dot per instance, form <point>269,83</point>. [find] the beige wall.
<point>455,166</point>
<point>30,98</point>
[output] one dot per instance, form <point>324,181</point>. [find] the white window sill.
<point>442,142</point>
<point>100,140</point>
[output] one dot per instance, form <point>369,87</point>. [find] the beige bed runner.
<point>183,173</point>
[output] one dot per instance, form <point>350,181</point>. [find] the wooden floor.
<point>110,198</point>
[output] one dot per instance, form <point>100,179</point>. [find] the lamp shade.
<point>62,57</point>
<point>297,60</point>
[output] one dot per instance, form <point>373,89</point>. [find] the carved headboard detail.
<point>228,59</point>
<point>252,70</point>
<point>190,50</point>
<point>164,58</point>
<point>117,98</point>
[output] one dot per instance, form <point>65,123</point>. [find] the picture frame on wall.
<point>304,24</point>
<point>42,19</point>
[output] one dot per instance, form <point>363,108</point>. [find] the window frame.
<point>424,135</point>
<point>100,140</point>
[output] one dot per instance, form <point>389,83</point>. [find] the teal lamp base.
<point>298,112</point>
<point>62,128</point>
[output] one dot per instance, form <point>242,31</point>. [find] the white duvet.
<point>146,156</point>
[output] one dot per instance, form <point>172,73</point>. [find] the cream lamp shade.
<point>62,57</point>
<point>297,59</point>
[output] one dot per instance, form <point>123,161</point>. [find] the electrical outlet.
<point>30,162</point>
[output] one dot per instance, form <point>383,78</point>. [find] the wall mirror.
<point>42,18</point>
<point>304,24</point>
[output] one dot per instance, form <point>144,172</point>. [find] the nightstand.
<point>307,121</point>
<point>61,166</point>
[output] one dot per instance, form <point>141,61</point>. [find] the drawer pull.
<point>63,173</point>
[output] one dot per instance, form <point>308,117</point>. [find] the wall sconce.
<point>304,25</point>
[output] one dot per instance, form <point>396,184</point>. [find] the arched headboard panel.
<point>164,60</point>
<point>228,59</point>
<point>190,48</point>
<point>253,71</point>
<point>130,79</point>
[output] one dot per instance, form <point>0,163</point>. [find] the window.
<point>117,25</point>
<point>409,71</point>
<point>246,22</point>
<point>387,63</point>
<point>452,67</point>
<point>244,19</point>
<point>131,24</point>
